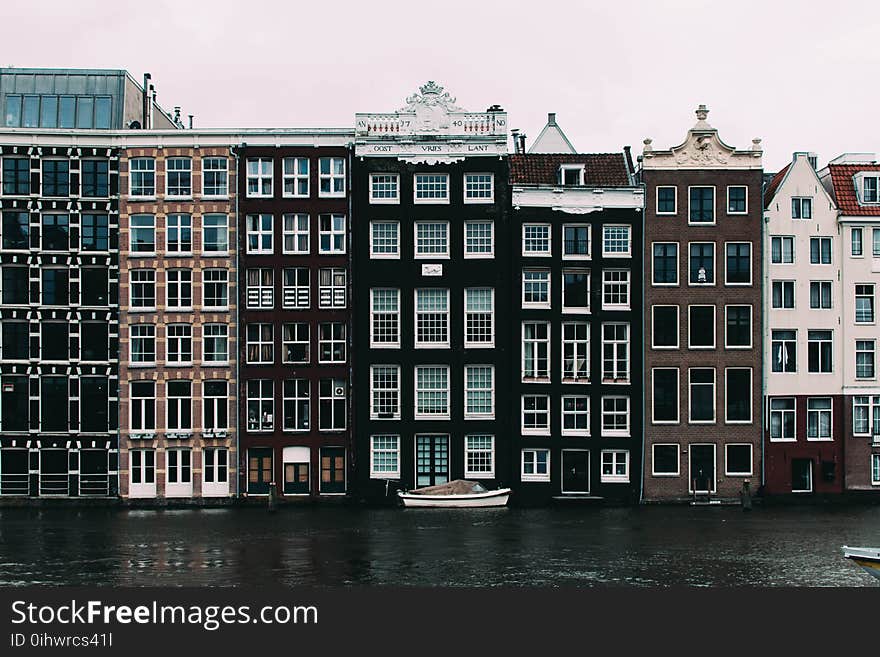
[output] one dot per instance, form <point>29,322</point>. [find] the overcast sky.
<point>800,75</point>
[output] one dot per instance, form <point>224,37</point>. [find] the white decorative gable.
<point>702,149</point>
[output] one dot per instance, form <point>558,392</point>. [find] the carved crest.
<point>432,107</point>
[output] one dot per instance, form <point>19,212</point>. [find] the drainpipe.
<point>643,187</point>
<point>764,328</point>
<point>352,448</point>
<point>238,388</point>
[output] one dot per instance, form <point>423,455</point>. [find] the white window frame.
<point>472,186</point>
<point>299,294</point>
<point>441,392</point>
<point>186,334</point>
<point>820,412</point>
<point>184,281</point>
<point>576,346</point>
<point>615,360</point>
<point>474,316</point>
<point>260,343</point>
<point>783,283</point>
<point>782,412</point>
<point>146,487</point>
<point>391,447</point>
<point>728,472</point>
<point>149,328</point>
<point>332,341</point>
<point>132,231</point>
<point>395,254</point>
<point>820,342</point>
<point>332,177</point>
<point>417,316</point>
<point>394,183</point>
<point>578,256</point>
<point>617,254</point>
<point>149,273</point>
<point>295,176</point>
<point>299,333</point>
<point>540,377</point>
<point>546,274</point>
<point>871,406</point>
<point>677,265</point>
<point>714,206</point>
<point>479,255</point>
<point>141,172</point>
<point>168,170</point>
<point>468,390</point>
<point>677,419</point>
<point>751,372</point>
<point>799,201</point>
<point>714,327</point>
<point>677,472</point>
<point>379,319</point>
<point>335,292</point>
<point>224,170</point>
<point>608,429</point>
<point>389,392</point>
<point>623,283</point>
<point>296,232</point>
<point>335,234</point>
<point>260,177</point>
<point>578,168</point>
<point>615,455</point>
<point>535,475</point>
<point>180,403</point>
<point>872,351</point>
<point>260,426</point>
<point>222,332</point>
<point>751,265</point>
<point>420,255</point>
<point>714,266</point>
<point>470,450</point>
<point>566,309</point>
<point>743,212</point>
<point>714,419</point>
<point>178,218</point>
<point>181,469</point>
<point>142,402</point>
<point>260,296</point>
<point>538,430</point>
<point>677,344</point>
<point>727,345</point>
<point>783,239</point>
<point>225,228</point>
<point>542,253</point>
<point>259,232</point>
<point>574,413</point>
<point>657,189</point>
<point>873,303</point>
<point>444,177</point>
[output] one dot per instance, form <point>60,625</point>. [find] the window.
<point>819,418</point>
<point>571,174</point>
<point>179,293</point>
<point>215,176</point>
<point>260,288</point>
<point>15,285</point>
<point>702,263</point>
<point>259,233</point>
<point>295,177</point>
<point>738,327</point>
<point>95,178</point>
<point>296,287</point>
<point>865,359</point>
<point>782,249</point>
<point>56,178</point>
<point>94,232</point>
<point>667,200</point>
<point>866,416</point>
<point>819,351</point>
<point>615,416</point>
<point>259,177</point>
<point>385,457</point>
<point>179,405</point>
<point>296,233</point>
<point>479,391</point>
<point>260,405</point>
<point>55,287</point>
<point>432,239</point>
<point>664,395</point>
<point>575,352</point>
<point>575,290</point>
<point>384,239</point>
<point>536,351</point>
<point>820,294</point>
<point>782,418</point>
<point>737,202</point>
<point>702,205</point>
<point>432,317</point>
<point>432,392</point>
<point>535,465</point>
<point>479,239</point>
<point>142,233</point>
<point>295,343</point>
<point>331,176</point>
<point>295,404</point>
<point>479,187</point>
<point>865,303</point>
<point>56,232</point>
<point>615,352</point>
<point>179,341</point>
<point>536,240</point>
<point>782,294</point>
<point>178,176</point>
<point>615,466</point>
<point>802,208</point>
<point>783,347</point>
<point>738,395</point>
<point>856,248</point>
<point>665,263</point>
<point>216,465</point>
<point>701,327</point>
<point>216,344</point>
<point>479,456</point>
<point>143,466</point>
<point>536,288</point>
<point>431,188</point>
<point>215,288</point>
<point>615,289</point>
<point>16,340</point>
<point>535,414</point>
<point>142,177</point>
<point>875,248</point>
<point>15,404</point>
<point>385,392</point>
<point>702,395</point>
<point>215,233</point>
<point>616,241</point>
<point>143,344</point>
<point>16,230</point>
<point>575,415</point>
<point>665,460</point>
<point>331,342</point>
<point>820,250</point>
<point>260,344</point>
<point>737,460</point>
<point>384,317</point>
<point>479,312</point>
<point>384,188</point>
<point>664,325</point>
<point>575,241</point>
<point>875,469</point>
<point>331,233</point>
<point>331,288</point>
<point>94,287</point>
<point>16,176</point>
<point>54,340</point>
<point>869,189</point>
<point>739,263</point>
<point>143,405</point>
<point>331,404</point>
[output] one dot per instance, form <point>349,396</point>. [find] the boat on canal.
<point>868,558</point>
<point>459,494</point>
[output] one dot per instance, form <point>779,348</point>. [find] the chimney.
<point>627,153</point>
<point>522,143</point>
<point>551,118</point>
<point>144,106</point>
<point>515,133</point>
<point>190,121</point>
<point>177,115</point>
<point>153,106</point>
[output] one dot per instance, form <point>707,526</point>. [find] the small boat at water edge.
<point>458,494</point>
<point>868,558</point>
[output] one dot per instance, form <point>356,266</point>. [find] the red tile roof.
<point>773,185</point>
<point>600,169</point>
<point>845,189</point>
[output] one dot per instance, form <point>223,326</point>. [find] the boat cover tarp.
<point>455,487</point>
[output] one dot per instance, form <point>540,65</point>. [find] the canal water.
<point>646,546</point>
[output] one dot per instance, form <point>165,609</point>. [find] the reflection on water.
<point>654,546</point>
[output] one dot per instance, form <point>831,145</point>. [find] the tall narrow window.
<point>179,290</point>
<point>143,405</point>
<point>783,350</point>
<point>738,394</point>
<point>331,405</point>
<point>259,177</point>
<point>865,303</point>
<point>479,396</point>
<point>738,270</point>
<point>296,177</point>
<point>702,263</point>
<point>702,395</point>
<point>296,288</point>
<point>664,395</point>
<point>820,250</point>
<point>856,247</point>
<point>664,264</point>
<point>178,176</point>
<point>295,343</point>
<point>536,351</point>
<point>179,405</point>
<point>819,418</point>
<point>819,351</point>
<point>615,352</point>
<point>865,359</point>
<point>260,288</point>
<point>385,317</point>
<point>178,234</point>
<point>215,233</point>
<point>296,404</point>
<point>575,352</point>
<point>479,317</point>
<point>331,233</point>
<point>782,418</point>
<point>179,344</point>
<point>296,233</point>
<point>331,176</point>
<point>260,405</point>
<point>331,288</point>
<point>215,176</point>
<point>432,392</point>
<point>385,392</point>
<point>432,317</point>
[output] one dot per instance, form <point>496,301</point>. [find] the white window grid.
<point>432,392</point>
<point>616,241</point>
<point>259,233</point>
<point>296,400</point>
<point>179,289</point>
<point>535,351</point>
<point>615,466</point>
<point>260,292</point>
<point>700,378</point>
<point>331,176</point>
<point>215,233</point>
<point>782,249</point>
<point>615,416</point>
<point>535,415</point>
<point>331,288</point>
<point>431,239</point>
<point>479,317</point>
<point>178,234</point>
<point>536,240</point>
<point>615,352</point>
<point>331,233</point>
<point>215,344</point>
<point>142,177</point>
<point>143,344</point>
<point>819,418</point>
<point>260,345</point>
<point>143,289</point>
<point>479,395</point>
<point>215,288</point>
<point>260,405</point>
<point>615,289</point>
<point>865,362</point>
<point>575,415</point>
<point>178,177</point>
<point>179,405</point>
<point>179,344</point>
<point>479,187</point>
<point>479,239</point>
<point>783,416</point>
<point>866,415</point>
<point>575,352</point>
<point>535,465</point>
<point>215,176</point>
<point>331,342</point>
<point>259,177</point>
<point>385,456</point>
<point>178,467</point>
<point>141,234</point>
<point>385,239</point>
<point>536,288</point>
<point>864,303</point>
<point>295,343</point>
<point>295,177</point>
<point>331,405</point>
<point>479,456</point>
<point>432,317</point>
<point>295,288</point>
<point>143,402</point>
<point>431,188</point>
<point>296,234</point>
<point>576,242</point>
<point>385,318</point>
<point>215,394</point>
<point>385,392</point>
<point>384,188</point>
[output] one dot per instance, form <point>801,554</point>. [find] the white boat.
<point>868,558</point>
<point>458,494</point>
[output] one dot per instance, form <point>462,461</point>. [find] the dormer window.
<point>571,174</point>
<point>869,189</point>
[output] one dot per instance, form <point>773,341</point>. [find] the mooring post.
<point>746,496</point>
<point>272,496</point>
